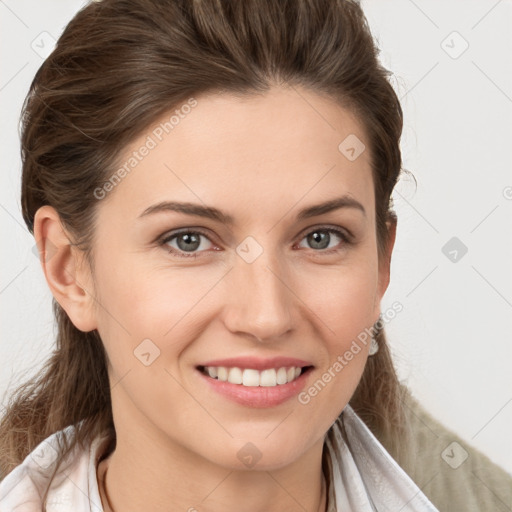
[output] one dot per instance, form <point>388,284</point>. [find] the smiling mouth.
<point>250,377</point>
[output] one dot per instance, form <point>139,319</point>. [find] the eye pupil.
<point>190,240</point>
<point>317,237</point>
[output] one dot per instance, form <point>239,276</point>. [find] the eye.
<point>186,243</point>
<point>321,237</point>
<point>189,244</point>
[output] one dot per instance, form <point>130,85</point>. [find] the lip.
<point>258,363</point>
<point>257,396</point>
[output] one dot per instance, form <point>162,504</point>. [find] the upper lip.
<point>258,363</point>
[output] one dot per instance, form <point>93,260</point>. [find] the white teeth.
<point>281,377</point>
<point>268,377</point>
<point>222,373</point>
<point>253,378</point>
<point>235,376</point>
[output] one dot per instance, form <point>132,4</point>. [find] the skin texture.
<point>260,159</point>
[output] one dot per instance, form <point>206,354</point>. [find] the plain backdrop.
<point>451,268</point>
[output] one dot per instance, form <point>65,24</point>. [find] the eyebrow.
<point>210,212</point>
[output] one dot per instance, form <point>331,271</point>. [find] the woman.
<point>209,183</point>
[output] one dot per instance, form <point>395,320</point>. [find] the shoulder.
<point>453,474</point>
<point>46,479</point>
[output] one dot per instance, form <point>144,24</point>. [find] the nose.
<point>260,300</point>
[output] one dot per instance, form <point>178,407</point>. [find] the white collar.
<point>365,478</point>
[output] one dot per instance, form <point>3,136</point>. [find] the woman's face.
<point>255,275</point>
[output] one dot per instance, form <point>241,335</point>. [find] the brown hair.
<point>119,66</point>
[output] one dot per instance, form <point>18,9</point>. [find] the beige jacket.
<point>450,472</point>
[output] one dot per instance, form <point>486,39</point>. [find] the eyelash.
<point>166,239</point>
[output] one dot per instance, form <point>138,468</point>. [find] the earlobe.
<point>65,269</point>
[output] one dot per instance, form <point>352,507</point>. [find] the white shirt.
<point>365,478</point>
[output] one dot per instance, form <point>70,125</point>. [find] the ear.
<point>65,268</point>
<point>385,262</point>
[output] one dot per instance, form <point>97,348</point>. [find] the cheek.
<point>170,306</point>
<point>343,305</point>
<point>343,297</point>
<point>163,305</point>
<point>150,302</point>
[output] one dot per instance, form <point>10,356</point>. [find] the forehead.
<point>243,153</point>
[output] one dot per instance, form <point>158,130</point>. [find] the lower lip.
<point>257,396</point>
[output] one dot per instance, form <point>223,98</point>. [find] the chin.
<point>260,454</point>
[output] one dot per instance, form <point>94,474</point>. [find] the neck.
<point>131,481</point>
